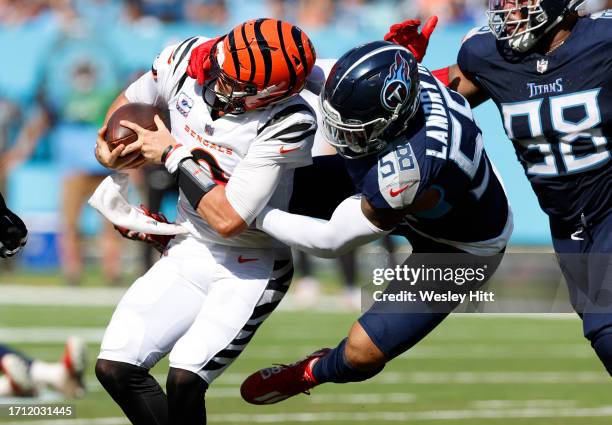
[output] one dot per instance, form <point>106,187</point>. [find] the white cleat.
<point>17,371</point>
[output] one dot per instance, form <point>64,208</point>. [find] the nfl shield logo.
<point>209,130</point>
<point>542,65</point>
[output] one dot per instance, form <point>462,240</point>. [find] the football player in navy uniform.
<point>13,233</point>
<point>549,71</point>
<point>416,157</point>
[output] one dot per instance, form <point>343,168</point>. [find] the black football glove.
<point>13,233</point>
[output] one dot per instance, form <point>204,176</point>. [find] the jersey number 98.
<point>569,133</point>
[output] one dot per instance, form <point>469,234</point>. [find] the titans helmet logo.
<point>397,84</point>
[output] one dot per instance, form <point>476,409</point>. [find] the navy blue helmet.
<point>370,95</point>
<point>524,22</point>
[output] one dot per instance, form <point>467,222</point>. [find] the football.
<point>139,113</point>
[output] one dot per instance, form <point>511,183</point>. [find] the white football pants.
<point>202,303</point>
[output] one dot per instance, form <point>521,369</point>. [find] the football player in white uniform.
<point>235,138</point>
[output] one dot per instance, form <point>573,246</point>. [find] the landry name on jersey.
<point>441,149</point>
<point>282,133</point>
<point>557,110</point>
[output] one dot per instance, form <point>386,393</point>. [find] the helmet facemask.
<point>355,139</point>
<point>524,22</point>
<point>223,93</point>
<point>517,21</point>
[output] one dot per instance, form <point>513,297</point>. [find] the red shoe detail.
<point>75,357</point>
<point>277,383</point>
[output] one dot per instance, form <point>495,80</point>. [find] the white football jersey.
<point>314,86</point>
<point>281,134</point>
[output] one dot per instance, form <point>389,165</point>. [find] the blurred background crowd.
<point>63,61</point>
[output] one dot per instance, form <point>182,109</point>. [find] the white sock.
<point>5,387</point>
<point>52,374</point>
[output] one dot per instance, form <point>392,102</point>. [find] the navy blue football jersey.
<point>557,110</point>
<point>441,149</point>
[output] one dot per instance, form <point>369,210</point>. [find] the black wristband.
<point>166,152</point>
<point>194,181</point>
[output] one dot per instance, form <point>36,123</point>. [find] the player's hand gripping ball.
<point>118,145</point>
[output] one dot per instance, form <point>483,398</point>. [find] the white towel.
<point>110,200</point>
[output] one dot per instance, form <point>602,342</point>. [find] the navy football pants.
<point>585,258</point>
<point>394,332</point>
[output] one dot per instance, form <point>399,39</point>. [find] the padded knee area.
<point>135,391</point>
<point>117,377</point>
<point>182,382</point>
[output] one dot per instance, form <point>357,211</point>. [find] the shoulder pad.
<point>399,176</point>
<point>476,31</point>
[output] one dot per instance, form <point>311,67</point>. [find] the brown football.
<point>139,113</point>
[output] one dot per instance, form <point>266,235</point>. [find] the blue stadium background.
<point>33,188</point>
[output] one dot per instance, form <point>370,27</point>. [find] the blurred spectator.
<point>79,83</point>
<point>314,14</point>
<point>19,12</point>
<point>213,12</point>
<point>9,115</point>
<point>164,10</point>
<point>278,9</point>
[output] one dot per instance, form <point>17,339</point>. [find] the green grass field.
<point>471,370</point>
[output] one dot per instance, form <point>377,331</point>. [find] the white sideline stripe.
<point>42,334</point>
<point>18,295</point>
<point>507,404</point>
<point>376,417</point>
<point>363,398</point>
<point>558,377</point>
<point>553,377</point>
<point>92,335</point>
<point>11,294</point>
<point>355,398</point>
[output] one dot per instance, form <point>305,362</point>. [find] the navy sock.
<point>333,367</point>
<point>603,348</point>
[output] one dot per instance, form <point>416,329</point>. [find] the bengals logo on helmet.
<point>267,61</point>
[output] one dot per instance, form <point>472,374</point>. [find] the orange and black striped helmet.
<point>261,62</point>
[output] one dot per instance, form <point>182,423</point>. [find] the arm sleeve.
<point>284,142</point>
<point>2,204</point>
<point>347,229</point>
<point>251,186</point>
